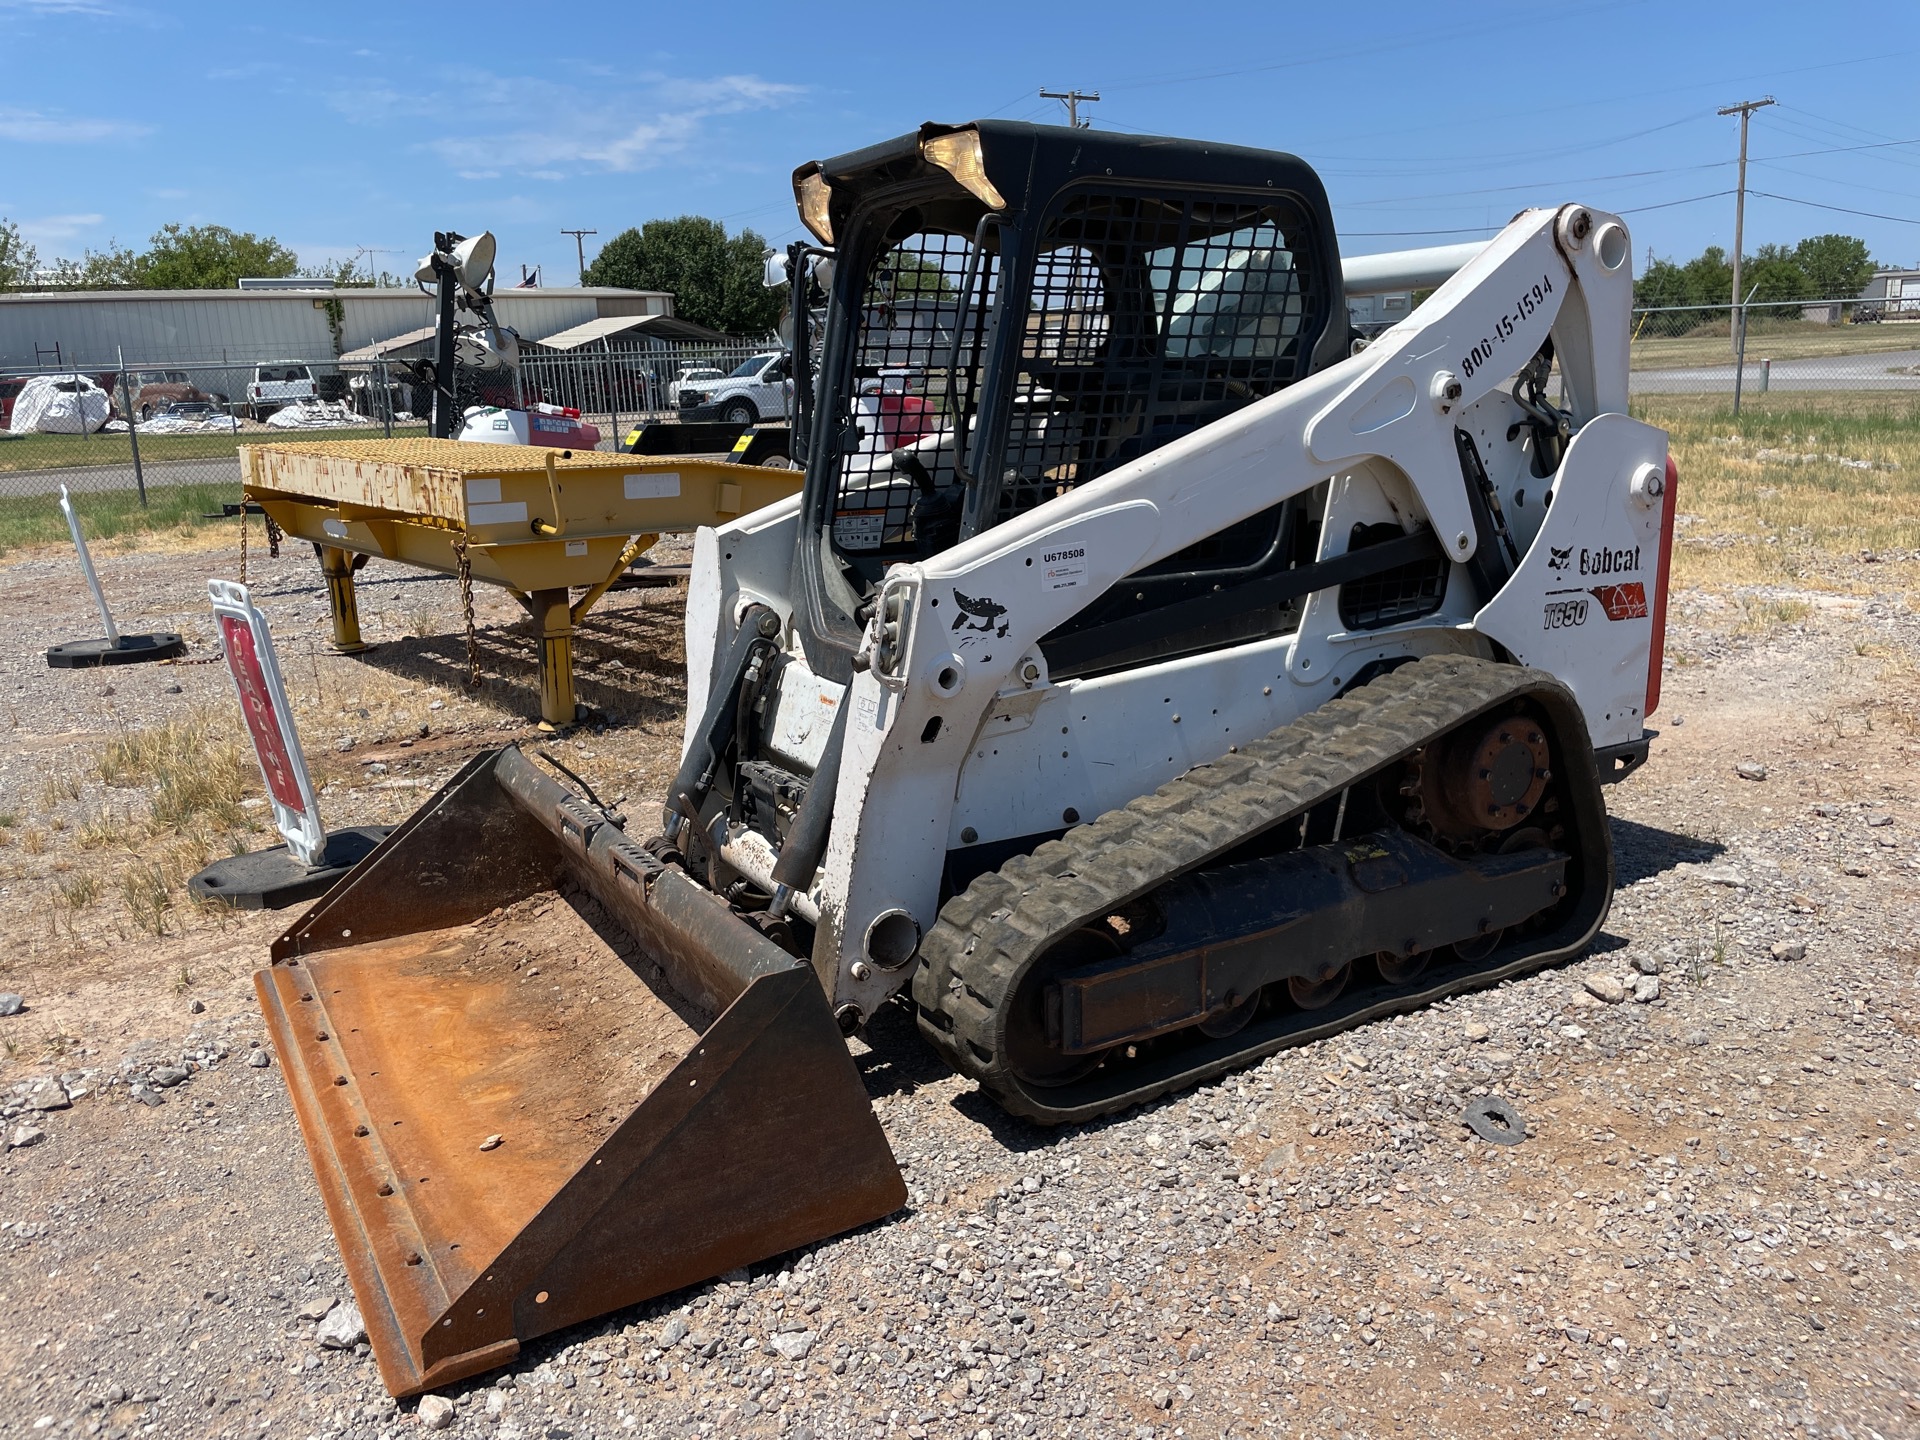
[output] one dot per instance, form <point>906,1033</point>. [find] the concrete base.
<point>132,650</point>
<point>272,879</point>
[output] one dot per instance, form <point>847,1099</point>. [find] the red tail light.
<point>1657,655</point>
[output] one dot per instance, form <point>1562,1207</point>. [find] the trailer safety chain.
<point>243,542</point>
<point>466,608</point>
<point>274,533</point>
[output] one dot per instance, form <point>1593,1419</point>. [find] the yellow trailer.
<point>541,522</point>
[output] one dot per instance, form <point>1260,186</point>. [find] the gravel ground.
<point>1711,1228</point>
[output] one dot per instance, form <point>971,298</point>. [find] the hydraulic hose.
<point>807,841</point>
<point>702,760</point>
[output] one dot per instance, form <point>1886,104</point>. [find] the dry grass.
<point>1794,488</point>
<point>1712,344</point>
<point>194,768</point>
<point>195,775</point>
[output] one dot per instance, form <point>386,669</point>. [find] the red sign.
<point>1623,602</point>
<point>256,702</point>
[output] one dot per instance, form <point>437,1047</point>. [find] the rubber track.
<point>987,936</point>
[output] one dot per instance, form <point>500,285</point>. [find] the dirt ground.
<point>1713,1227</point>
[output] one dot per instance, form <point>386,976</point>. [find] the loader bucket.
<point>541,1076</point>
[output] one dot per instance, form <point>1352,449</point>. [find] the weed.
<point>1759,615</point>
<point>143,885</point>
<point>99,830</point>
<point>192,765</point>
<point>8,819</point>
<point>425,622</point>
<point>34,841</point>
<point>82,890</point>
<point>60,787</point>
<point>182,980</point>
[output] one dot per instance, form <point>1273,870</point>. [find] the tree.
<point>18,262</point>
<point>210,257</point>
<point>1772,274</point>
<point>1662,286</point>
<point>111,269</point>
<point>715,279</point>
<point>906,274</point>
<point>1836,266</point>
<point>1708,277</point>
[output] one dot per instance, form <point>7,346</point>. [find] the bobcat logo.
<point>1558,559</point>
<point>980,615</point>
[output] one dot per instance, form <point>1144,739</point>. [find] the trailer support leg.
<point>555,619</point>
<point>337,566</point>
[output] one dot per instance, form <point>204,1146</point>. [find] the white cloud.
<point>55,7</point>
<point>652,119</point>
<point>57,229</point>
<point>36,127</point>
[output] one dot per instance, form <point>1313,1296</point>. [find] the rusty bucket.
<point>541,1076</point>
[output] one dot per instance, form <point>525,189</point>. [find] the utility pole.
<point>1745,111</point>
<point>580,248</point>
<point>1071,99</point>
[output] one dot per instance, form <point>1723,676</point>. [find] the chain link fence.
<point>160,424</point>
<point>152,426</point>
<point>1799,345</point>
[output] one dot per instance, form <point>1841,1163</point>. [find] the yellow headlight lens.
<point>959,154</point>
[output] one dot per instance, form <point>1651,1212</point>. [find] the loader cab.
<point>1072,301</point>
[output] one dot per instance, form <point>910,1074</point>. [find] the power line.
<point>1839,209</point>
<point>1669,204</point>
<point>1906,194</point>
<point>1485,229</point>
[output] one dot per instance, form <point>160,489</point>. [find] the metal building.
<point>89,329</point>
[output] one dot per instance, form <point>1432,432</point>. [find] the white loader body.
<point>964,691</point>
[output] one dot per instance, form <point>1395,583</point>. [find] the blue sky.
<point>347,128</point>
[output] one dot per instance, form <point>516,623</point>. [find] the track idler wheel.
<point>1032,1044</point>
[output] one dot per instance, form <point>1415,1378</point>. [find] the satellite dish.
<point>473,261</point>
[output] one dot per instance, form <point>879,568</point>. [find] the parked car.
<point>277,385</point>
<point>756,390</point>
<point>695,376</point>
<point>154,390</point>
<point>10,388</point>
<point>1866,315</point>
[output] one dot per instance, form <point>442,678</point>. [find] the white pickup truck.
<point>275,386</point>
<point>758,389</point>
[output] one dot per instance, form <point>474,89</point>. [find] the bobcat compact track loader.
<point>1200,685</point>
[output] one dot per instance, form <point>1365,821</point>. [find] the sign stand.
<point>311,860</point>
<point>115,649</point>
